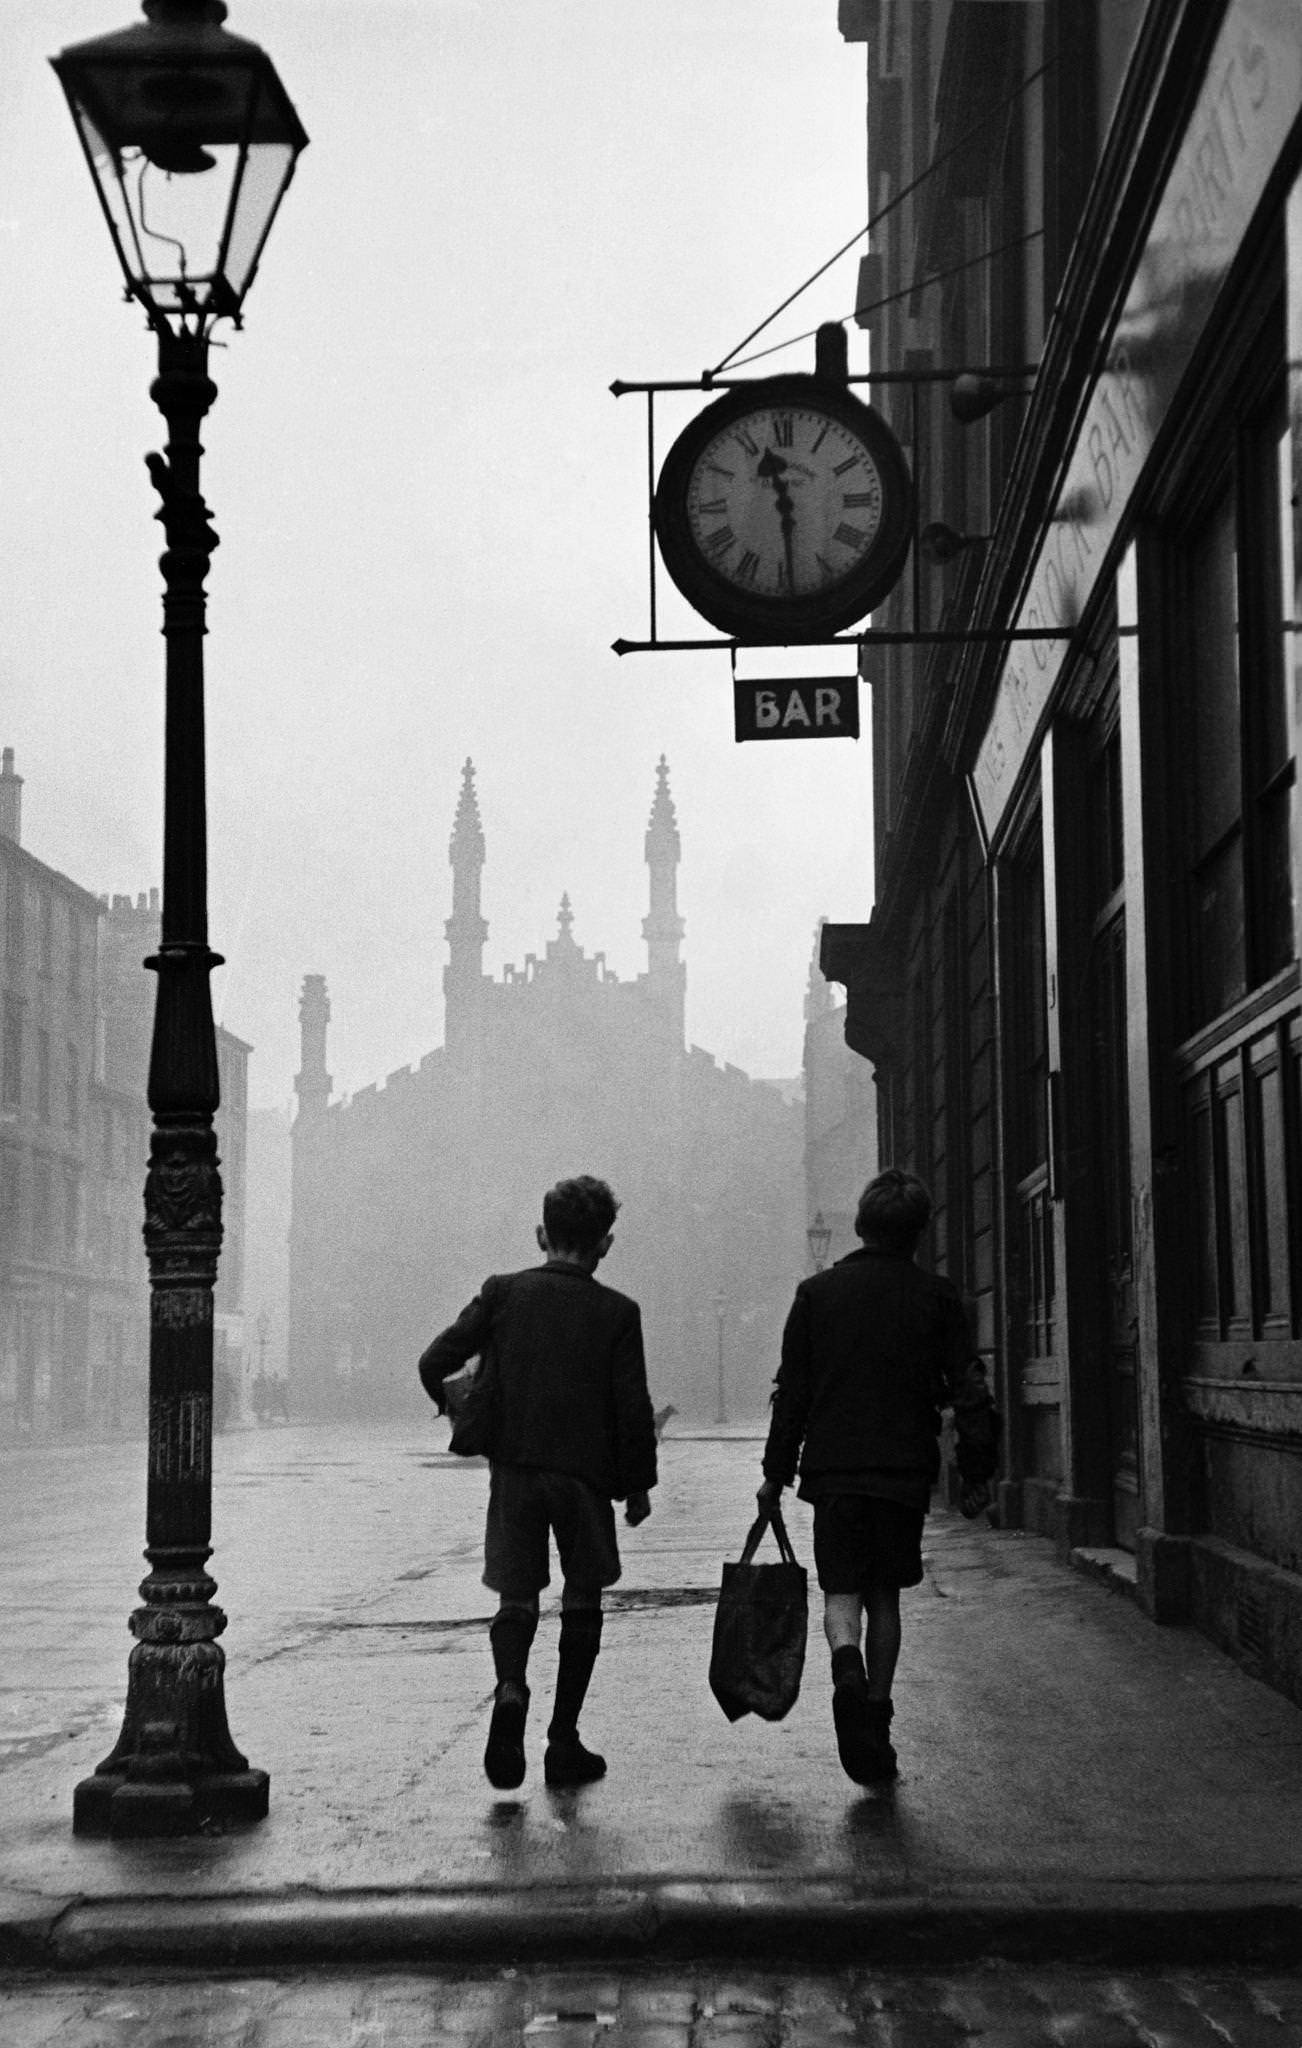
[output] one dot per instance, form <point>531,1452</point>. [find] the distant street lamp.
<point>192,141</point>
<point>720,1307</point>
<point>819,1235</point>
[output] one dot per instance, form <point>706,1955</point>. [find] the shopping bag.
<point>760,1625</point>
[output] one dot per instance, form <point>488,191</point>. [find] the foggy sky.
<point>432,512</point>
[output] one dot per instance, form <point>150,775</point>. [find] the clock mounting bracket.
<point>830,369</point>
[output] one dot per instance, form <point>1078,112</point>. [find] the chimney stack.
<point>11,799</point>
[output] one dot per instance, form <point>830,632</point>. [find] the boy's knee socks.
<point>579,1646</point>
<point>511,1633</point>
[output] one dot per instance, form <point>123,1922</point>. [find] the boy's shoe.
<point>885,1764</point>
<point>567,1762</point>
<point>862,1733</point>
<point>504,1755</point>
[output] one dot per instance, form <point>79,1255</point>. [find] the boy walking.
<point>873,1349</point>
<point>574,1432</point>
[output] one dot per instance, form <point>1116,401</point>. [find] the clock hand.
<point>774,467</point>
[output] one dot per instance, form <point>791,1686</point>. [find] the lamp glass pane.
<point>179,219</point>
<point>108,180</point>
<point>266,174</point>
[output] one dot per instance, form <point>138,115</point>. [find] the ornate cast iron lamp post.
<point>192,141</point>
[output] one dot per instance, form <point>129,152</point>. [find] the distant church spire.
<point>466,930</point>
<point>466,848</point>
<point>565,919</point>
<point>662,841</point>
<point>663,928</point>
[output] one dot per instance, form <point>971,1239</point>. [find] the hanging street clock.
<point>784,511</point>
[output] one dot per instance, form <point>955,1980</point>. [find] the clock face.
<point>786,502</point>
<point>785,508</point>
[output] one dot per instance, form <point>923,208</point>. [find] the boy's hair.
<point>894,1210</point>
<point>578,1213</point>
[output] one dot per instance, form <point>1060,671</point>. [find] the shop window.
<point>71,1216</point>
<point>1241,766</point>
<point>1027,1071</point>
<point>11,1082</point>
<point>42,1209</point>
<point>1029,1122</point>
<point>14,925</point>
<point>10,1205</point>
<point>43,1076</point>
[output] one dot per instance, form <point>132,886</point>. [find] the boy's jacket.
<point>572,1391</point>
<point>873,1349</point>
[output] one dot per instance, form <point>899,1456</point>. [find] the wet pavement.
<point>995,2007</point>
<point>1074,1781</point>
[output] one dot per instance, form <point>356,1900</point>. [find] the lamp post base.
<point>174,1768</point>
<point>124,1808</point>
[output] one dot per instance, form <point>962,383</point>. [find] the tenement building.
<point>405,1196</point>
<point>76,1008</point>
<point>1079,985</point>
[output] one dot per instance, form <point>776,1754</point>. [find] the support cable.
<point>905,292</point>
<point>895,201</point>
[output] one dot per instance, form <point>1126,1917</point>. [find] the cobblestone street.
<point>988,2008</point>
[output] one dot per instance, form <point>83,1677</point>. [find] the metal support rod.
<point>650,501</point>
<point>174,1765</point>
<point>874,636</point>
<point>621,386</point>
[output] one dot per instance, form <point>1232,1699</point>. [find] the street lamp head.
<point>819,1235</point>
<point>192,140</point>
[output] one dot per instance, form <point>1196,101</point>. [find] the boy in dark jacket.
<point>873,1349</point>
<point>573,1431</point>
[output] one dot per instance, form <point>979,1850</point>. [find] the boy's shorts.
<point>859,1541</point>
<point>523,1505</point>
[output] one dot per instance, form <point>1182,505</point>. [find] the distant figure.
<point>573,1431</point>
<point>873,1349</point>
<point>662,1416</point>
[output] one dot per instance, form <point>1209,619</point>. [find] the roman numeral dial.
<point>786,501</point>
<point>784,509</point>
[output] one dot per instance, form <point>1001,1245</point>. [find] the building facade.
<point>406,1196</point>
<point>1079,984</point>
<point>76,1011</point>
<point>66,1310</point>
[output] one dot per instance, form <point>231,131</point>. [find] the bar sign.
<point>819,708</point>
